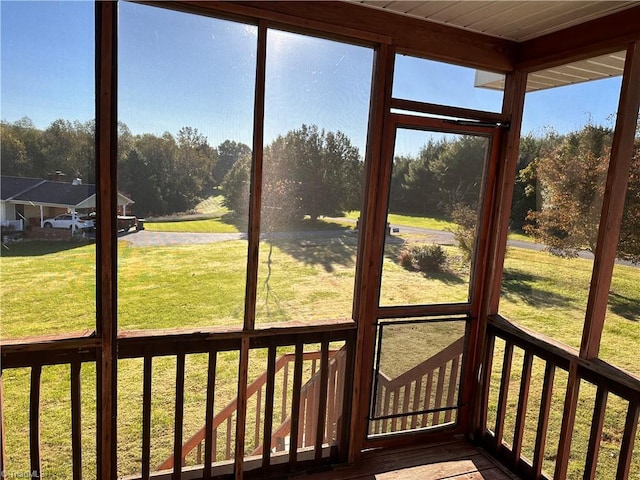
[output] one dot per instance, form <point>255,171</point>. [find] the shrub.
<point>406,259</point>
<point>424,258</point>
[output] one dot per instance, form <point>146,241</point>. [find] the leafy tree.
<point>420,182</point>
<point>526,194</point>
<point>572,176</point>
<point>69,147</point>
<point>457,171</point>
<point>229,152</point>
<point>236,186</point>
<point>629,242</point>
<point>399,198</point>
<point>305,172</point>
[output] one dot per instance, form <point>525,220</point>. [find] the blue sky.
<point>182,70</point>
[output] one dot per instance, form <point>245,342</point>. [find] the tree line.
<point>311,172</point>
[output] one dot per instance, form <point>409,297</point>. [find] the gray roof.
<point>13,186</point>
<point>37,190</point>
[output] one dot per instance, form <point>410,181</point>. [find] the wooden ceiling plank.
<point>400,6</point>
<point>428,9</point>
<point>576,15</point>
<point>494,15</point>
<point>455,10</point>
<point>527,13</point>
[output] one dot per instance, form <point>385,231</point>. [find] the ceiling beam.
<point>590,39</point>
<point>409,35</point>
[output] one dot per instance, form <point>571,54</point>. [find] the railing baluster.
<point>486,379</point>
<point>309,412</point>
<point>304,407</point>
<point>523,399</point>
<point>76,420</point>
<point>504,391</point>
<point>179,418</point>
<point>385,409</point>
<point>209,442</point>
<point>146,417</point>
<point>453,385</point>
<point>427,398</point>
<point>322,401</point>
<point>285,389</point>
<point>268,408</point>
<point>295,407</point>
<point>416,401</point>
<point>543,419</point>
<point>597,422</point>
<point>34,419</point>
<point>628,438</point>
<point>331,414</point>
<point>406,396</point>
<point>256,433</point>
<point>442,371</point>
<point>227,452</point>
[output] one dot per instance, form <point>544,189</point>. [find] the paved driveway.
<point>146,238</point>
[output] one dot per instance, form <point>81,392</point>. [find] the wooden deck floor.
<point>452,460</point>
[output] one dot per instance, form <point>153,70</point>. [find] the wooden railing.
<point>542,361</point>
<point>412,400</point>
<point>314,412</point>
<point>309,401</point>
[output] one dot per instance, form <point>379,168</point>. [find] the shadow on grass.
<point>38,248</point>
<point>525,286</point>
<point>626,307</point>
<point>311,242</point>
<point>327,251</point>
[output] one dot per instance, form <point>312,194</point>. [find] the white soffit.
<point>512,20</point>
<point>595,68</point>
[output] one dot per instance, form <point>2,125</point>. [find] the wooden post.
<point>513,105</point>
<point>613,204</point>
<point>255,192</point>
<point>106,242</point>
<point>370,248</point>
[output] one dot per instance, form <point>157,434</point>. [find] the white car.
<point>67,220</point>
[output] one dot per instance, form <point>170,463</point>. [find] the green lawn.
<point>49,287</point>
<point>210,225</point>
